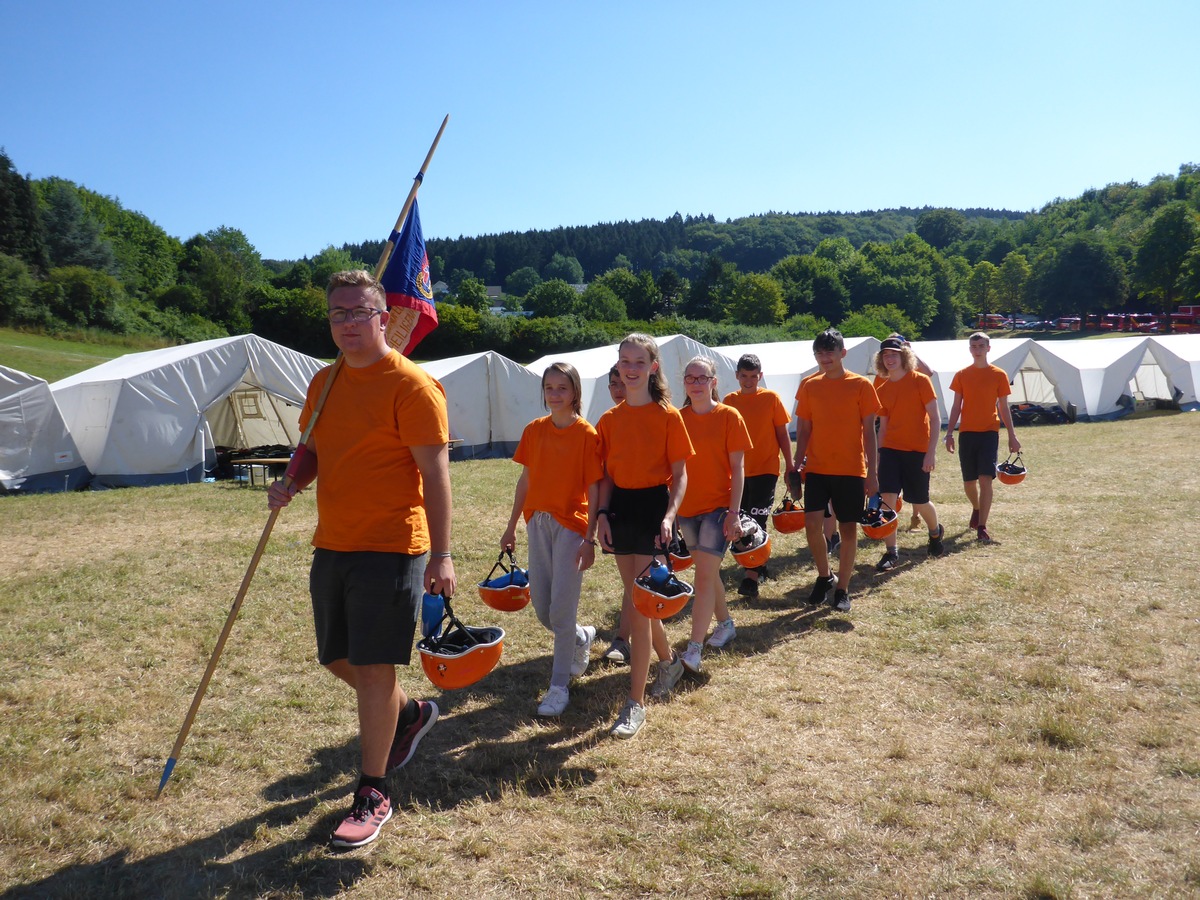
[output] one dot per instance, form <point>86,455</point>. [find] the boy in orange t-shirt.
<point>835,429</point>
<point>979,392</point>
<point>763,412</point>
<point>908,437</point>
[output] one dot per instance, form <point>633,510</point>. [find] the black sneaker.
<point>841,600</point>
<point>890,560</point>
<point>764,574</point>
<point>820,591</point>
<point>936,547</point>
<point>748,587</point>
<point>832,543</point>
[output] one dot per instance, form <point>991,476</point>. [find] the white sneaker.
<point>554,701</point>
<point>668,676</point>
<point>583,652</point>
<point>630,720</point>
<point>722,634</point>
<point>691,657</point>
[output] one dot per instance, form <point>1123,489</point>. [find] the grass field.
<point>1015,720</point>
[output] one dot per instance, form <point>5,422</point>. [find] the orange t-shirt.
<point>981,387</point>
<point>762,412</point>
<point>562,464</point>
<point>639,444</point>
<point>836,408</point>
<point>903,402</point>
<point>714,436</point>
<point>368,484</point>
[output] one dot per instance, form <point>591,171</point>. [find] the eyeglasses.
<point>697,379</point>
<point>358,314</point>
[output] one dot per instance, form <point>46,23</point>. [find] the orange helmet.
<point>508,591</point>
<point>753,548</point>
<point>879,521</point>
<point>679,554</point>
<point>461,656</point>
<point>788,517</point>
<point>657,593</point>
<point>1011,471</point>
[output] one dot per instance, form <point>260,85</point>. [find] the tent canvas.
<point>149,418</point>
<point>593,366</point>
<point>1178,356</point>
<point>786,363</point>
<point>490,400</point>
<point>1091,378</point>
<point>37,452</point>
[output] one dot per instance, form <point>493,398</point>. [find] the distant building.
<point>494,291</point>
<point>440,287</point>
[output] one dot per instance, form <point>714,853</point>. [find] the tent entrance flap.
<point>250,417</point>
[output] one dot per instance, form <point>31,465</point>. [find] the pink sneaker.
<point>404,744</point>
<point>974,518</point>
<point>983,536</point>
<point>371,809</point>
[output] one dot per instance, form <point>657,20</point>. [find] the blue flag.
<point>409,289</point>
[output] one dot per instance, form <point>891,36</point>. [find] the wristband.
<point>602,512</point>
<point>444,554</point>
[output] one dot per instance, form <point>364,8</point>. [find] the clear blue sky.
<point>303,123</point>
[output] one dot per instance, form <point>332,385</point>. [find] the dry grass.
<point>1020,720</point>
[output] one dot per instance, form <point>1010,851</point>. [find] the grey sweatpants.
<point>554,586</point>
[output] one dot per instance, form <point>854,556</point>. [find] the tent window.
<point>248,406</point>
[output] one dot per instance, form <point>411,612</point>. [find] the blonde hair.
<point>908,360</point>
<point>356,278</point>
<point>660,391</point>
<point>711,368</point>
<point>570,373</point>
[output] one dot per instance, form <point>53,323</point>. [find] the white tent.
<point>593,367</point>
<point>36,449</point>
<point>1092,378</point>
<point>786,363</point>
<point>490,399</point>
<point>946,358</point>
<point>1178,356</point>
<point>149,418</point>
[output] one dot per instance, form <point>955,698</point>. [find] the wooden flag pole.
<point>408,202</point>
<point>287,481</point>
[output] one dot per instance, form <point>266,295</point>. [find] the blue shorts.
<point>977,454</point>
<point>902,471</point>
<point>705,532</point>
<point>365,605</point>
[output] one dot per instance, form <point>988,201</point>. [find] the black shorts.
<point>845,492</point>
<point>635,518</point>
<point>901,471</point>
<point>977,454</point>
<point>365,605</point>
<point>758,497</point>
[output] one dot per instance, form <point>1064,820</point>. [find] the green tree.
<point>812,284</point>
<point>756,299</point>
<point>1012,280</point>
<point>940,228</point>
<point>294,317</point>
<point>639,293</point>
<point>73,235</point>
<point>982,287</point>
<point>1082,274</point>
<point>472,294</point>
<point>552,298</point>
<point>21,233</point>
<point>672,288</point>
<point>1158,265</point>
<point>565,268</point>
<point>82,297</point>
<point>332,260</point>
<point>521,282</point>
<point>223,265</point>
<point>16,288</point>
<point>599,303</point>
<point>710,290</point>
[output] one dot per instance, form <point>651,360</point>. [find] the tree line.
<point>72,259</point>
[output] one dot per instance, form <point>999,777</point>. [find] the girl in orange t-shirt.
<point>709,514</point>
<point>557,494</point>
<point>645,447</point>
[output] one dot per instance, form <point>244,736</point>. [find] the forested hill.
<point>682,243</point>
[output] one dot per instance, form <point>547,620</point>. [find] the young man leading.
<point>380,447</point>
